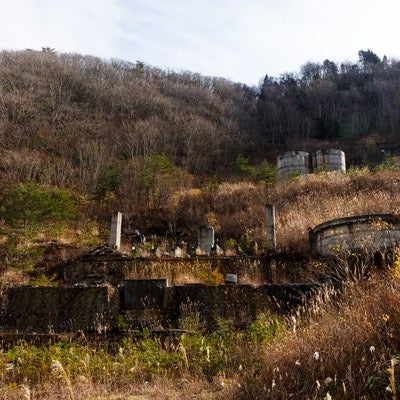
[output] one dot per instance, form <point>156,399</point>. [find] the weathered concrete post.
<point>270,227</point>
<point>115,234</point>
<point>206,239</point>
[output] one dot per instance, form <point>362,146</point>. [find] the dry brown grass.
<point>238,209</point>
<point>310,200</point>
<point>345,350</point>
<point>313,199</point>
<point>11,277</point>
<point>160,389</point>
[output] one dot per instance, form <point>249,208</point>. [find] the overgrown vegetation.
<point>236,210</point>
<point>341,345</point>
<point>349,349</point>
<point>205,356</point>
<point>81,137</point>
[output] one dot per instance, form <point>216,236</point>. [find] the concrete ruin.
<point>115,231</point>
<point>270,227</point>
<point>293,162</point>
<point>59,309</point>
<point>303,163</point>
<point>138,304</point>
<point>103,291</point>
<point>374,232</point>
<point>206,239</point>
<point>103,265</point>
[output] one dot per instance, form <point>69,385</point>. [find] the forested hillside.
<point>131,136</point>
<point>69,119</point>
<point>352,104</point>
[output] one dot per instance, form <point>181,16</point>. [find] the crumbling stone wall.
<point>110,292</point>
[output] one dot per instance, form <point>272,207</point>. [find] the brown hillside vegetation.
<point>137,138</point>
<point>126,135</point>
<point>78,117</point>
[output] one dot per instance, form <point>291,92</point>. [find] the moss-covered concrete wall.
<point>59,309</point>
<point>239,304</point>
<point>138,304</point>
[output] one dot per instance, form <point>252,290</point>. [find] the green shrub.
<point>30,204</point>
<point>242,167</point>
<point>265,328</point>
<point>205,354</point>
<point>265,172</point>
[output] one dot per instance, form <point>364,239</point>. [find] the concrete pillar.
<point>270,227</point>
<point>206,239</point>
<point>115,234</point>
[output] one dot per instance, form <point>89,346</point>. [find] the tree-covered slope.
<point>69,119</point>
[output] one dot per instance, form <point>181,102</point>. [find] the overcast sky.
<point>238,40</point>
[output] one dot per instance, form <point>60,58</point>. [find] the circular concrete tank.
<point>332,160</point>
<point>372,232</point>
<point>293,162</point>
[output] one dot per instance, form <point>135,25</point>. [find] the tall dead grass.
<point>308,201</point>
<point>161,388</point>
<point>344,352</point>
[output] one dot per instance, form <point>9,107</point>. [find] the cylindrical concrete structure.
<point>372,232</point>
<point>293,162</point>
<point>331,160</point>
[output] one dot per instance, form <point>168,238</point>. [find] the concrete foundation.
<point>112,269</point>
<point>106,292</point>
